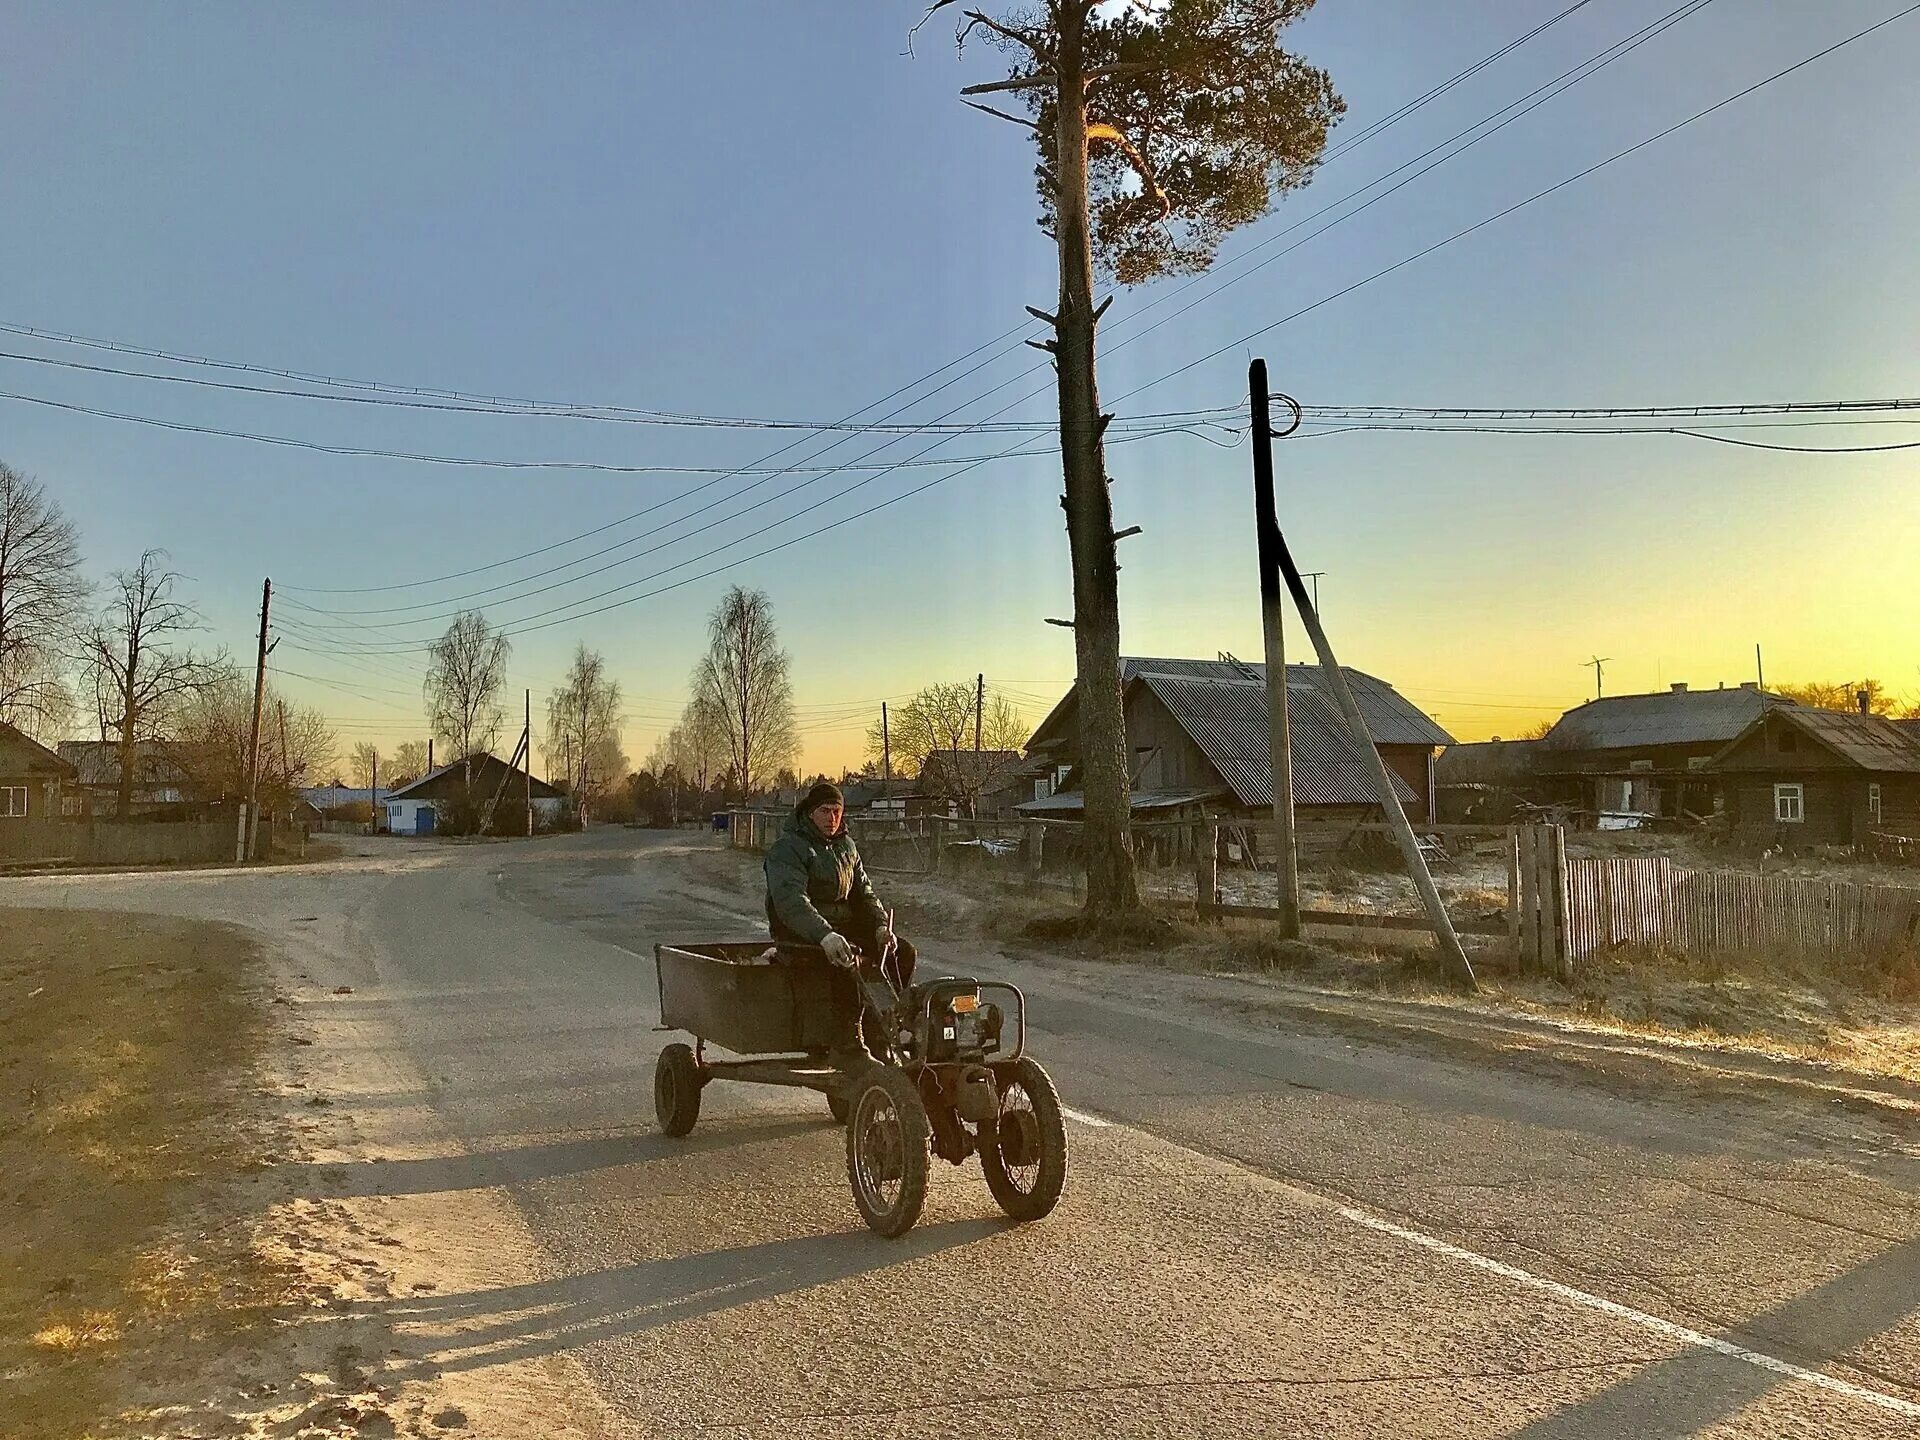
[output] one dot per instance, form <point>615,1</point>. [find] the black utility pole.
<point>1279,721</point>
<point>249,826</point>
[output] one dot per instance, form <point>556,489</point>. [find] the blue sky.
<point>774,211</point>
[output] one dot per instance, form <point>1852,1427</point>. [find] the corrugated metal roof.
<point>97,762</point>
<point>1228,720</point>
<point>1672,717</point>
<point>1868,741</point>
<point>1393,719</point>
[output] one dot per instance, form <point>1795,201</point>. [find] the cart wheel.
<point>1026,1161</point>
<point>840,1105</point>
<point>887,1155</point>
<point>676,1090</point>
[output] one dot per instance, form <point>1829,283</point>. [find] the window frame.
<point>1874,797</point>
<point>1796,791</point>
<point>7,812</point>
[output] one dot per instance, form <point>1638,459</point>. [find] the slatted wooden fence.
<point>1652,901</point>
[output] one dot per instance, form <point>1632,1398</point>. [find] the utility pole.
<point>1279,720</point>
<point>886,747</point>
<point>1759,666</point>
<point>373,795</point>
<point>529,743</point>
<point>1596,663</point>
<point>248,823</point>
<point>979,709</point>
<point>1335,678</point>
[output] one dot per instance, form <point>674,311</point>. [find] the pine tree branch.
<point>1101,130</point>
<point>1018,82</point>
<point>1001,114</point>
<point>1026,38</point>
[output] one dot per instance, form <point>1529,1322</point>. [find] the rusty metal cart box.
<point>745,997</point>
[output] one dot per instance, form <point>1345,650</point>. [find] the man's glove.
<point>883,937</point>
<point>838,950</point>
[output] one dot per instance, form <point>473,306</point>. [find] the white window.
<point>1873,802</point>
<point>13,802</point>
<point>1789,804</point>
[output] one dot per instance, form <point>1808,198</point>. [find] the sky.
<point>775,211</point>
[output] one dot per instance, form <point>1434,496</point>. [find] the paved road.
<point>1266,1232</point>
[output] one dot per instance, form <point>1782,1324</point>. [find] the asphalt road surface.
<point>1266,1232</point>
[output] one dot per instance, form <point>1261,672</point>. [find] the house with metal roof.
<point>1646,754</point>
<point>1198,735</point>
<point>1799,777</point>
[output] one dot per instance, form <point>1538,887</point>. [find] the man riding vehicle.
<point>818,894</point>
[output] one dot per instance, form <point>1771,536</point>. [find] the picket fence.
<point>1652,901</point>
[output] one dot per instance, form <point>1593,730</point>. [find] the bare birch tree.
<point>41,600</point>
<point>1160,126</point>
<point>583,730</point>
<point>141,674</point>
<point>742,686</point>
<point>409,763</point>
<point>466,674</point>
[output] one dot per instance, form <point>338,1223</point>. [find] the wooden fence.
<point>1652,901</point>
<point>80,842</point>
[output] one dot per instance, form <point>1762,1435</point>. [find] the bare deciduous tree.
<point>1160,126</point>
<point>297,743</point>
<point>935,731</point>
<point>583,730</point>
<point>466,673</point>
<point>364,766</point>
<point>408,764</point>
<point>742,687</point>
<point>41,600</point>
<point>141,676</point>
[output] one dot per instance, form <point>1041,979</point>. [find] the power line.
<point>1529,200</point>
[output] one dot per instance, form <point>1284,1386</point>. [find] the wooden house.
<point>1646,754</point>
<point>1799,777</point>
<point>31,777</point>
<point>1197,731</point>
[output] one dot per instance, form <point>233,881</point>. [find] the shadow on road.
<point>1695,1388</point>
<point>523,1164</point>
<point>477,1328</point>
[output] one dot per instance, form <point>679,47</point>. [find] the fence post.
<point>1513,894</point>
<point>1526,855</point>
<point>1561,955</point>
<point>1207,870</point>
<point>936,842</point>
<point>1036,843</point>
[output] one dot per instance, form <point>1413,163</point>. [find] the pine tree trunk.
<point>1111,888</point>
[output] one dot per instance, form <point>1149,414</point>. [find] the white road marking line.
<point>1085,1119</point>
<point>1638,1317</point>
<point>1686,1336</point>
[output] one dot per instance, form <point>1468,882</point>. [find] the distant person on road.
<point>818,894</point>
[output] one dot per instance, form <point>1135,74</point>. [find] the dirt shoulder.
<point>185,1267</point>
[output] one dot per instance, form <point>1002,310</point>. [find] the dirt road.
<point>1267,1232</point>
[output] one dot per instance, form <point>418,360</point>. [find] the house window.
<point>1640,766</point>
<point>1873,802</point>
<point>1789,804</point>
<point>13,802</point>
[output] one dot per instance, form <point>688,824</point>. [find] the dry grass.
<point>125,1085</point>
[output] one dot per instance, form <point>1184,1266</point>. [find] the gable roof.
<point>1228,720</point>
<point>97,762</point>
<point>1671,717</point>
<point>1393,719</point>
<point>21,754</point>
<point>1881,746</point>
<point>421,789</point>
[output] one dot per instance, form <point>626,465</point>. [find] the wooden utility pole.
<point>529,743</point>
<point>373,795</point>
<point>1336,680</point>
<point>1279,717</point>
<point>1759,667</point>
<point>979,710</point>
<point>249,824</point>
<point>886,746</point>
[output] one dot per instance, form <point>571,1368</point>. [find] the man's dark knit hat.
<point>825,793</point>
